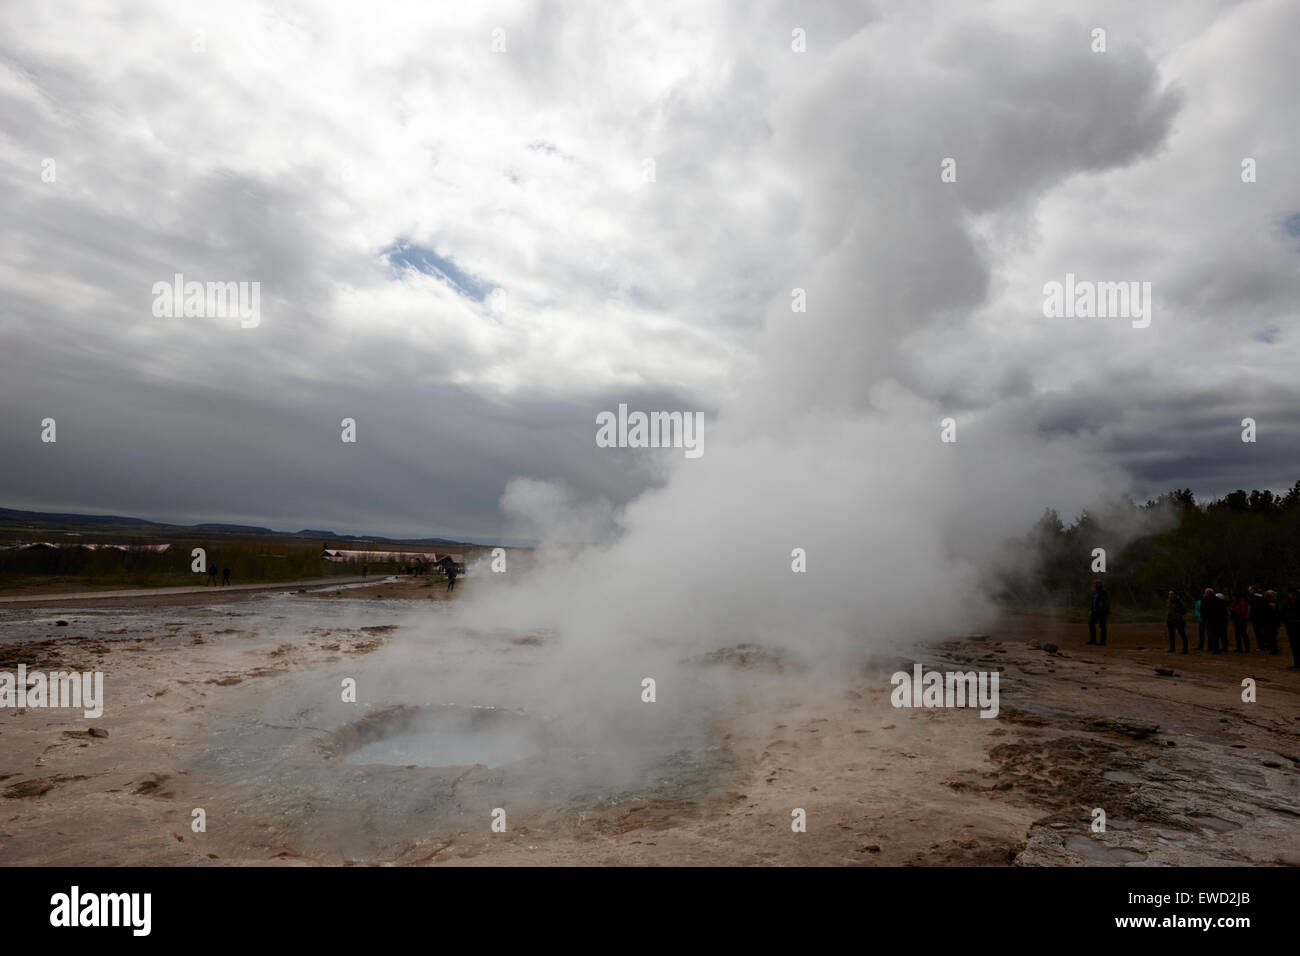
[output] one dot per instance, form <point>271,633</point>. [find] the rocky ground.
<point>234,707</point>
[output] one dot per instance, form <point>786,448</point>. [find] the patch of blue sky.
<point>404,254</point>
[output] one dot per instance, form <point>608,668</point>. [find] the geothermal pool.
<point>242,710</point>
<point>447,736</point>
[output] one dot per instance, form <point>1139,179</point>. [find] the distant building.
<point>428,558</point>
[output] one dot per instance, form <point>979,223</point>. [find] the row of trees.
<point>249,562</point>
<point>1172,541</point>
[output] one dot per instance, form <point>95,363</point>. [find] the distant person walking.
<point>1291,618</point>
<point>1175,611</point>
<point>1240,609</point>
<point>452,571</point>
<point>1098,611</point>
<point>212,576</point>
<point>364,570</point>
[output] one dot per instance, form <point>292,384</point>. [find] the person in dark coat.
<point>1175,611</point>
<point>1240,609</point>
<point>1200,623</point>
<point>1291,618</point>
<point>1256,614</point>
<point>1215,611</point>
<point>452,571</point>
<point>225,577</point>
<point>1098,611</point>
<point>1271,619</point>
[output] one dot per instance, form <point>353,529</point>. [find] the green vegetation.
<point>252,559</point>
<point>1170,542</point>
<point>250,562</point>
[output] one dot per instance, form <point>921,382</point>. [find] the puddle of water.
<point>449,737</point>
<point>1217,824</point>
<point>1090,849</point>
<point>492,748</point>
<point>1122,776</point>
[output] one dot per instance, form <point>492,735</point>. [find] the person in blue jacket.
<point>1200,625</point>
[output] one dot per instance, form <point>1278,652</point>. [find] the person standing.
<point>225,577</point>
<point>1256,614</point>
<point>1240,608</point>
<point>452,571</point>
<point>212,576</point>
<point>1175,611</point>
<point>1291,618</point>
<point>1098,611</point>
<point>1200,622</point>
<point>1219,633</point>
<point>1272,619</point>
<point>1210,619</point>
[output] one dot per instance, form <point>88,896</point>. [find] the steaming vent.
<point>439,736</point>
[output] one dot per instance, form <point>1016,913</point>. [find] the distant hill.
<point>233,528</point>
<point>53,519</point>
<point>29,524</point>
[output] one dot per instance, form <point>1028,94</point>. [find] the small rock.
<point>1126,726</point>
<point>29,788</point>
<point>1165,671</point>
<point>97,732</point>
<point>874,848</point>
<point>1271,763</point>
<point>1051,648</point>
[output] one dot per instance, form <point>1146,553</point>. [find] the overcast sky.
<point>449,210</point>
